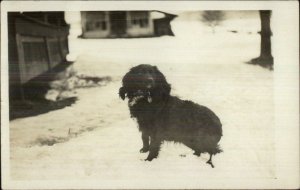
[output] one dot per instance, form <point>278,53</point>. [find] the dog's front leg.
<point>145,138</point>
<point>154,148</point>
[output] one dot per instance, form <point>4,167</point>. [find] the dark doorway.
<point>118,23</point>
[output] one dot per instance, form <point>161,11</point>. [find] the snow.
<point>99,141</point>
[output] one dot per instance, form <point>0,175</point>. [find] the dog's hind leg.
<point>194,147</point>
<point>154,148</point>
<point>210,161</point>
<point>197,153</point>
<point>145,138</point>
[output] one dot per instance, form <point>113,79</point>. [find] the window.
<point>96,25</point>
<point>96,21</point>
<point>100,25</point>
<point>89,26</point>
<point>140,19</point>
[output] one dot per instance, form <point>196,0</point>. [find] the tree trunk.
<point>265,51</point>
<point>265,59</point>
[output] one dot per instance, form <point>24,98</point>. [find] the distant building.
<point>122,24</point>
<point>37,45</point>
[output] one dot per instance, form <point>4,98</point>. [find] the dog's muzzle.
<point>138,95</point>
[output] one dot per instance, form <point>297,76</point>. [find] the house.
<point>122,24</point>
<point>37,45</point>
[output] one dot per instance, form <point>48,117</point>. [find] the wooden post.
<point>48,52</point>
<point>21,64</point>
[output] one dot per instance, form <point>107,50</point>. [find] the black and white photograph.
<point>149,95</point>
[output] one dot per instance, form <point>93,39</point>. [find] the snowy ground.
<point>101,142</point>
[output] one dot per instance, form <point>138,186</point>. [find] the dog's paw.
<point>144,149</point>
<point>150,158</point>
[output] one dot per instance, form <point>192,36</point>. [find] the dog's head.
<point>144,83</point>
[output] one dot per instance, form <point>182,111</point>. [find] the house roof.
<point>161,14</point>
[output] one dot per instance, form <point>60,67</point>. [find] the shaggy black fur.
<point>162,117</point>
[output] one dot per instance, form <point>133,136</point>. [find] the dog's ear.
<point>122,93</point>
<point>165,90</point>
<point>163,85</point>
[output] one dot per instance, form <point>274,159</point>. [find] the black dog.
<point>161,116</point>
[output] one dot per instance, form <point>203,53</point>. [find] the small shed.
<point>124,24</point>
<point>37,44</point>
